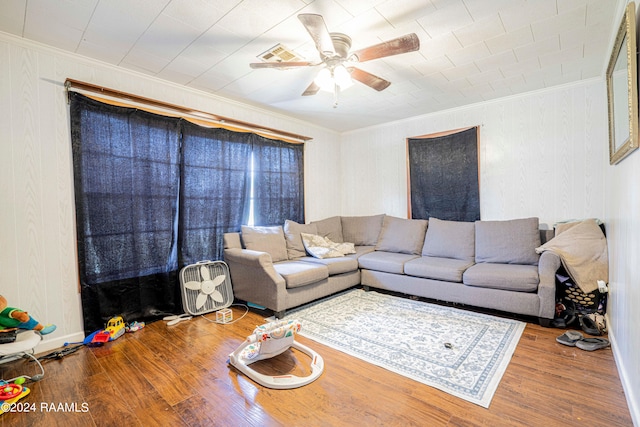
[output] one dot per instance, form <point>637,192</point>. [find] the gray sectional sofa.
<point>487,264</point>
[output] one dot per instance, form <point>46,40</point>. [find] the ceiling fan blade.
<point>319,33</point>
<point>408,43</point>
<point>312,89</point>
<point>369,79</point>
<point>281,64</point>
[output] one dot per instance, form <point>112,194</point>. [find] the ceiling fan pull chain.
<point>336,88</point>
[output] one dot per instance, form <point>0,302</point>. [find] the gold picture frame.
<point>622,90</point>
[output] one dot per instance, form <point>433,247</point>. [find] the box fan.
<point>206,287</point>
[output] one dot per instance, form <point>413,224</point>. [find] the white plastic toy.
<point>270,340</point>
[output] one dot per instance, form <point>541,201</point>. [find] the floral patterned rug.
<point>459,352</point>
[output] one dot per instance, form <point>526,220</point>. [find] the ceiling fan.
<point>339,69</point>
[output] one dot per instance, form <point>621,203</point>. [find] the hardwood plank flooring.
<point>179,375</point>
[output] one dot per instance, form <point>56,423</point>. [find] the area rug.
<point>459,352</point>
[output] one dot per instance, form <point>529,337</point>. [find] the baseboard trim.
<point>632,400</point>
<point>57,342</point>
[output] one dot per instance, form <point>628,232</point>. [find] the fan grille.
<point>191,273</point>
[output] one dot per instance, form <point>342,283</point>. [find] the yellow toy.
<point>115,327</point>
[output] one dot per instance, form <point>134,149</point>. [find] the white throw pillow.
<point>322,247</point>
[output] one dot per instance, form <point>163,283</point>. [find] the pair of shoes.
<point>589,325</point>
<point>576,339</point>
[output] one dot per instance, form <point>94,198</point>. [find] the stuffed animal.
<point>14,318</point>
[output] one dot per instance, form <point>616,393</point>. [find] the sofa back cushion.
<point>331,228</point>
<point>292,235</point>
<point>266,239</point>
<point>508,242</point>
<point>361,230</point>
<point>450,239</point>
<point>400,235</point>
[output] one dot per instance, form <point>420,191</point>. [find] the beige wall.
<point>541,154</point>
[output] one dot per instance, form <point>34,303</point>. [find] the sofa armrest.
<point>548,264</point>
<point>254,279</point>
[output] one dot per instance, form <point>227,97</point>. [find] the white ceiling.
<point>471,50</point>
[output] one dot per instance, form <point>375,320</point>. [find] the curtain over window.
<point>214,192</point>
<point>278,181</point>
<point>156,193</point>
<point>126,176</point>
<point>443,175</point>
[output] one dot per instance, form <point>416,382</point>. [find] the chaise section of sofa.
<point>267,271</point>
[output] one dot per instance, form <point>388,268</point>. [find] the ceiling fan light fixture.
<point>328,78</point>
<point>324,80</point>
<point>342,77</point>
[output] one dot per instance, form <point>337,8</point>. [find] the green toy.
<point>11,317</point>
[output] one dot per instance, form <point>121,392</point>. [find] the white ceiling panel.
<point>442,21</point>
<point>511,40</point>
<point>470,50</point>
<point>481,30</point>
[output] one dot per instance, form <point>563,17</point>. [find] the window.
<point>156,193</point>
<point>443,176</point>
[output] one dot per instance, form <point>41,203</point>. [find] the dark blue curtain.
<point>278,181</point>
<point>153,194</point>
<point>126,176</point>
<point>443,172</point>
<point>214,196</point>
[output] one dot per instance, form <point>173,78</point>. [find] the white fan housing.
<point>206,287</point>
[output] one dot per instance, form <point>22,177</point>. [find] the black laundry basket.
<point>570,294</point>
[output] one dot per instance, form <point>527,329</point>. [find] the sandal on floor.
<point>591,344</point>
<point>564,321</point>
<point>589,326</point>
<point>570,338</point>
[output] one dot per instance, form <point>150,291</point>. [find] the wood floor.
<point>174,376</point>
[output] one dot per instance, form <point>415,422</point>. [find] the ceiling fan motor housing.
<point>341,44</point>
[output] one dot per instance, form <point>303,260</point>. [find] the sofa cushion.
<point>389,262</point>
<point>266,239</point>
<point>335,265</point>
<point>362,230</point>
<point>362,250</point>
<point>447,269</point>
<point>322,247</point>
<point>402,235</point>
<point>330,228</point>
<point>298,273</point>
<point>511,277</point>
<point>292,230</point>
<point>508,242</point>
<point>450,239</point>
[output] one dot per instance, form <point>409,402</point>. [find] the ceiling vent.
<point>279,53</point>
